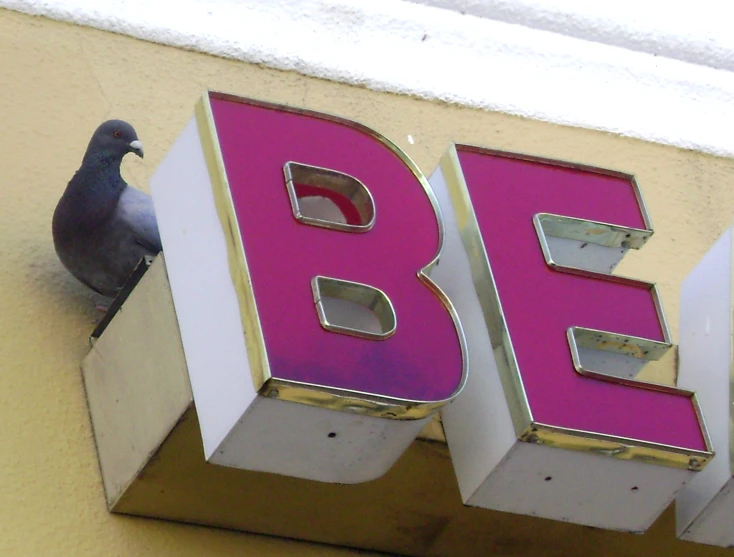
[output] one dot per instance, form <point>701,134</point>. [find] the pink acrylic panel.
<point>422,361</point>
<point>540,303</point>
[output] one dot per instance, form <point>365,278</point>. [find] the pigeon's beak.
<point>137,148</point>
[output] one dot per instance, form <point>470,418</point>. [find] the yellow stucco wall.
<point>58,83</point>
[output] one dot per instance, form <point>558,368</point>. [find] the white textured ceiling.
<point>697,32</point>
<point>645,69</point>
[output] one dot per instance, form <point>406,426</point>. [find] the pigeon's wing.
<point>135,210</point>
<point>105,258</point>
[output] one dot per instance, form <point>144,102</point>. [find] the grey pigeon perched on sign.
<point>102,227</point>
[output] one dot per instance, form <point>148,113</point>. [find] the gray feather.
<point>102,227</point>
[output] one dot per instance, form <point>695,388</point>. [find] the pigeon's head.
<point>114,139</point>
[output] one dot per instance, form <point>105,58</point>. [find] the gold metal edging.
<point>238,269</point>
<point>559,226</point>
<point>385,314</point>
<point>629,345</point>
<point>702,422</point>
<point>646,218</point>
<point>486,289</point>
<point>290,182</point>
<point>320,395</point>
<point>571,334</point>
<point>538,223</point>
<point>525,427</point>
<point>545,248</point>
<point>618,447</point>
<point>468,147</point>
<point>646,349</point>
<point>355,402</point>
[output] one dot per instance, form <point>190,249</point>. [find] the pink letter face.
<point>539,305</point>
<point>374,258</point>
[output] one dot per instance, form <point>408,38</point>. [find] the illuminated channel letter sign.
<point>330,300</point>
<point>704,506</point>
<point>555,342</point>
<point>297,247</point>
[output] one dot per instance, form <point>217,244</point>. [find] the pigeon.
<point>102,227</point>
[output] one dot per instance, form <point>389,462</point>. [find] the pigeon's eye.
<point>117,133</point>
